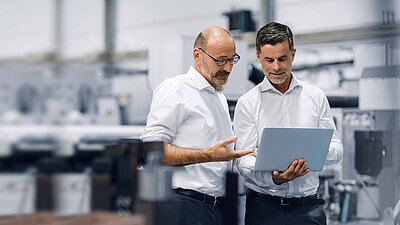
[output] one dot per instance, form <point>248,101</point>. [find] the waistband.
<point>214,201</point>
<point>303,201</point>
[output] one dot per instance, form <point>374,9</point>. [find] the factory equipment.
<point>21,95</point>
<point>136,182</point>
<point>371,138</point>
<point>240,20</point>
<point>369,157</point>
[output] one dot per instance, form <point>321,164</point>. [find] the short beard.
<point>218,87</point>
<point>216,83</point>
<point>220,84</point>
<point>281,81</point>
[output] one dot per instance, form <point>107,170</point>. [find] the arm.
<point>176,156</point>
<point>335,153</point>
<point>246,129</point>
<point>167,112</point>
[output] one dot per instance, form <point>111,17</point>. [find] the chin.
<point>220,87</point>
<point>277,81</point>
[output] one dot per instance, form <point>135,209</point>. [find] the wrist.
<point>208,154</point>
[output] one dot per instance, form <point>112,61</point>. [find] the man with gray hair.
<point>281,100</point>
<point>189,113</point>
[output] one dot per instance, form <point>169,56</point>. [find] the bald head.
<point>212,34</point>
<point>212,45</point>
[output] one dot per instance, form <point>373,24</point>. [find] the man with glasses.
<point>189,113</point>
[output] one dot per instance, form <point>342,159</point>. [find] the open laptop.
<point>280,146</point>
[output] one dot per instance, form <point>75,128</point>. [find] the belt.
<point>303,201</point>
<point>214,201</point>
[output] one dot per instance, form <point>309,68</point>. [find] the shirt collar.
<point>199,81</point>
<point>265,85</point>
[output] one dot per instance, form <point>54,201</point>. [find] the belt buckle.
<point>283,203</point>
<point>215,201</point>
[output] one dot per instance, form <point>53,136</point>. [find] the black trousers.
<point>262,212</point>
<point>195,212</point>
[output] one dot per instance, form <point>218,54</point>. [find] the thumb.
<point>229,140</point>
<point>275,173</point>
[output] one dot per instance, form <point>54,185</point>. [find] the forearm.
<point>178,156</point>
<point>246,169</point>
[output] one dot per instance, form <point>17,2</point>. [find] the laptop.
<point>280,146</point>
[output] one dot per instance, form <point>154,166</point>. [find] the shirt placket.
<point>286,124</point>
<point>217,114</point>
<point>285,110</point>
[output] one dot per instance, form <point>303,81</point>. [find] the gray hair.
<point>273,33</point>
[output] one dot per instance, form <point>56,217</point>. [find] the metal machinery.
<point>55,124</point>
<point>371,138</point>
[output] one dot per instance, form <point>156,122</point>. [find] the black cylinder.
<point>369,152</point>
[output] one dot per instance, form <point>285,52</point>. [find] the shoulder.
<point>312,90</point>
<point>315,94</point>
<point>172,84</point>
<point>251,95</point>
<point>250,99</point>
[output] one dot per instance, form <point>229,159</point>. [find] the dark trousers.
<point>262,212</point>
<point>195,212</point>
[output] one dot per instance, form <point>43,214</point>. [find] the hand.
<point>219,151</point>
<point>296,169</point>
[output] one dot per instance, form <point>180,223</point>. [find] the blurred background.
<point>76,80</point>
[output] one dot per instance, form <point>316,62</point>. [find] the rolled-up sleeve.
<point>167,112</point>
<point>335,153</point>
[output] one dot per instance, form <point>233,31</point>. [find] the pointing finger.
<point>241,153</point>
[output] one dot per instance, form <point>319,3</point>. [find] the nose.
<point>275,66</point>
<point>228,67</point>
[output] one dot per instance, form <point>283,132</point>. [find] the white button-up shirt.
<point>186,111</point>
<point>301,106</point>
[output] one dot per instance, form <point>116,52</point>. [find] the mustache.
<point>222,73</point>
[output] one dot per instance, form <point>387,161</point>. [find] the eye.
<point>282,59</point>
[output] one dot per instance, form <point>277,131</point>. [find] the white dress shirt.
<point>186,111</point>
<point>301,106</point>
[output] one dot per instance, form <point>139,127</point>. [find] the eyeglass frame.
<point>230,60</point>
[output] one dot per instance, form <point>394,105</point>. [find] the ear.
<point>294,53</point>
<point>258,57</point>
<point>196,54</point>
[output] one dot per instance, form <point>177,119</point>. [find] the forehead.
<point>275,50</point>
<point>220,47</point>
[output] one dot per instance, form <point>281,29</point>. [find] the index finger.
<point>291,167</point>
<point>240,153</point>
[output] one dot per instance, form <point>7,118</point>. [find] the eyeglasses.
<point>221,62</point>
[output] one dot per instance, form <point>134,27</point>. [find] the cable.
<point>364,187</point>
<point>27,189</point>
<point>86,183</point>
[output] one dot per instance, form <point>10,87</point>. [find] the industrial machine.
<point>371,161</point>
